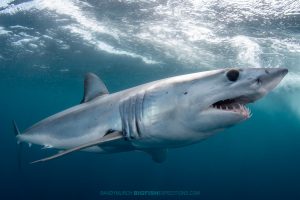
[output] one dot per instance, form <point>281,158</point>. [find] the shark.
<point>156,116</point>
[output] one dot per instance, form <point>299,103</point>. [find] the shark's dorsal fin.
<point>93,87</point>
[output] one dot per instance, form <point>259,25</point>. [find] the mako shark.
<point>156,116</point>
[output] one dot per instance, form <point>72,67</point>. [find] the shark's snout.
<point>277,71</point>
<point>273,73</point>
<point>272,77</point>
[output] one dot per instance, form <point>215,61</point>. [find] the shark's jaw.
<point>223,97</point>
<point>260,85</point>
<point>234,105</point>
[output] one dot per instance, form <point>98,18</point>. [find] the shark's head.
<point>218,99</point>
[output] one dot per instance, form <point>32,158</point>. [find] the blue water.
<point>47,46</point>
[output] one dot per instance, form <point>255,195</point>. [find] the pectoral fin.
<point>106,139</point>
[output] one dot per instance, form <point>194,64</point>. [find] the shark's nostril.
<point>267,71</point>
<point>258,81</point>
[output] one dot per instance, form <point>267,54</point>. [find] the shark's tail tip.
<point>19,146</point>
<point>16,129</point>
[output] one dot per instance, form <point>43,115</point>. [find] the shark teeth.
<point>235,107</point>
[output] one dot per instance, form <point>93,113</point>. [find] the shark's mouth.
<point>236,105</point>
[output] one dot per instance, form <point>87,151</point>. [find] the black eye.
<point>233,74</point>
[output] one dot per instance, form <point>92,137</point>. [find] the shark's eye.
<point>233,74</point>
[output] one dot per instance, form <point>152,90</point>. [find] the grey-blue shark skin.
<point>159,115</point>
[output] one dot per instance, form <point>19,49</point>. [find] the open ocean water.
<point>46,47</point>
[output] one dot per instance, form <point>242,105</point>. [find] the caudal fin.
<point>16,129</point>
<point>19,146</point>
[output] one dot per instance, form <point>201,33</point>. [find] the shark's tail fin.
<point>19,146</point>
<point>16,129</point>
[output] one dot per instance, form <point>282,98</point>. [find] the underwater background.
<point>47,46</point>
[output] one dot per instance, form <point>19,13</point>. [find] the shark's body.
<point>156,116</point>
